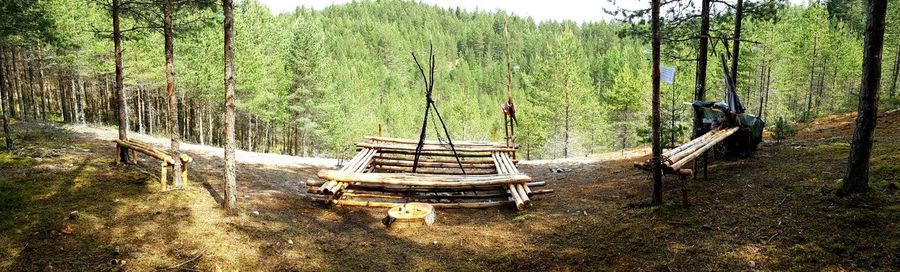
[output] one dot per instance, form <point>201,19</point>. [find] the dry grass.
<point>775,210</point>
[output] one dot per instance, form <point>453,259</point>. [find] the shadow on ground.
<point>774,211</point>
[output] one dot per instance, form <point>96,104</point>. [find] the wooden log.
<point>517,199</point>
<point>412,147</point>
<point>379,204</point>
<point>442,171</point>
<point>520,189</point>
<point>146,149</point>
<point>675,150</point>
<point>700,151</point>
<point>423,164</point>
<point>504,157</point>
<point>422,179</point>
<point>436,154</point>
<point>415,141</point>
<point>479,160</point>
<point>715,137</point>
<point>152,153</point>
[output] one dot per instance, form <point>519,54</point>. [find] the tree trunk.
<point>141,100</point>
<point>3,107</point>
<point>654,77</point>
<point>44,98</point>
<point>14,100</point>
<point>249,133</point>
<point>765,102</point>
<point>857,177</point>
<point>820,91</point>
<point>812,76</point>
<point>736,53</point>
<point>32,97</point>
<point>80,99</point>
<point>896,73</point>
<point>700,78</point>
<point>170,90</point>
<point>230,182</point>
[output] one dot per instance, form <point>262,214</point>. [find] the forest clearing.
<point>390,135</point>
<point>596,220</point>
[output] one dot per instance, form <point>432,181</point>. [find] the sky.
<point>541,10</point>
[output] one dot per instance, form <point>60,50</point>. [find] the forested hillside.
<point>313,82</point>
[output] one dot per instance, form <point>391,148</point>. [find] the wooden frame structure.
<point>381,175</point>
<point>156,153</point>
<point>674,159</point>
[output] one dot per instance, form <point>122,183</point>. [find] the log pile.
<point>676,158</point>
<point>166,160</point>
<point>381,175</point>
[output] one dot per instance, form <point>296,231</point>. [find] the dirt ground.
<point>774,211</point>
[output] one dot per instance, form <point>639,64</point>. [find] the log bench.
<point>166,160</point>
<point>675,159</point>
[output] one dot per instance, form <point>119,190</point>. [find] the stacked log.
<point>477,175</point>
<point>676,158</point>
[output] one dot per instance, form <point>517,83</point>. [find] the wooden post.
<point>684,197</point>
<point>163,176</point>
<point>184,173</point>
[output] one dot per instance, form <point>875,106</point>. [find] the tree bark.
<point>169,37</point>
<point>29,69</point>
<point>896,73</point>
<point>3,107</point>
<point>857,177</point>
<point>736,52</point>
<point>654,77</point>
<point>230,182</point>
<point>812,76</point>
<point>80,99</point>
<point>700,78</point>
<point>44,96</point>
<point>12,94</point>
<point>765,101</point>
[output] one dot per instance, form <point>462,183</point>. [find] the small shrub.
<point>782,130</point>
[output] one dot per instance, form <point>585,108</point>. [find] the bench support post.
<point>184,171</point>
<point>163,176</point>
<point>684,196</point>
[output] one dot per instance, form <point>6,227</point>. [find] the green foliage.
<point>328,77</point>
<point>782,130</point>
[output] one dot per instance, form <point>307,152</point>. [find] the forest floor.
<point>774,211</point>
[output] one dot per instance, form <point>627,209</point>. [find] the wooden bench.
<point>156,153</point>
<point>674,159</point>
